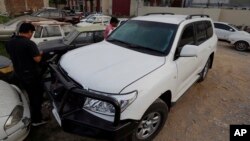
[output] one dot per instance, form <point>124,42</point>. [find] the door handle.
<point>45,40</point>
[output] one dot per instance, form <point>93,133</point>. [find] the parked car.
<point>9,28</point>
<point>90,15</point>
<point>241,42</point>
<point>58,15</point>
<point>95,19</point>
<point>50,30</point>
<point>124,86</point>
<point>14,113</point>
<point>224,30</point>
<point>244,28</point>
<point>77,38</point>
<point>6,68</point>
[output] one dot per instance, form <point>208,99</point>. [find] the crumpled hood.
<point>107,67</point>
<point>8,99</point>
<point>51,45</point>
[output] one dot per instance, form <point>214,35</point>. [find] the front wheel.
<point>241,46</point>
<point>151,123</point>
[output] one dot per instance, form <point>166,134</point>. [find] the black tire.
<point>204,72</point>
<point>241,46</point>
<point>153,119</point>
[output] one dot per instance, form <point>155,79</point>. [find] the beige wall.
<point>2,7</point>
<point>46,3</point>
<point>134,7</point>
<point>237,17</point>
<point>106,7</point>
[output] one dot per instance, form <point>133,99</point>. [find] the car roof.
<point>50,22</point>
<point>91,28</point>
<point>167,18</point>
<point>221,23</point>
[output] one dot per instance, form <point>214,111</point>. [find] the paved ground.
<point>206,110</point>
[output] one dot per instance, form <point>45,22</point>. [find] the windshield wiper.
<point>134,46</point>
<point>144,48</point>
<point>119,41</point>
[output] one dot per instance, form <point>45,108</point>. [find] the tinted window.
<point>51,31</point>
<point>43,14</point>
<point>187,37</point>
<point>86,37</point>
<point>223,27</point>
<point>209,29</point>
<point>201,34</point>
<point>98,36</point>
<point>38,32</point>
<point>145,35</point>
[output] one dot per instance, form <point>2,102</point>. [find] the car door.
<point>186,66</point>
<point>51,32</point>
<point>223,31</point>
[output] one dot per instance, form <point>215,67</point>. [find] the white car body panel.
<point>44,39</point>
<point>109,64</point>
<point>10,97</point>
<point>243,36</point>
<point>224,34</point>
<point>99,19</point>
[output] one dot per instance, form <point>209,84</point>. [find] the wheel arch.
<point>241,41</point>
<point>166,97</point>
<point>212,60</point>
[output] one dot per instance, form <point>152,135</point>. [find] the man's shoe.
<point>39,123</point>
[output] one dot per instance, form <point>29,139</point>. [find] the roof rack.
<point>196,15</point>
<point>159,14</point>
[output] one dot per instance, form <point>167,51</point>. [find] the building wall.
<point>210,1</point>
<point>35,4</point>
<point>2,7</point>
<point>106,6</point>
<point>16,7</point>
<point>224,15</point>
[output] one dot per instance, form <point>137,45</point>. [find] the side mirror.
<point>189,51</point>
<point>232,30</point>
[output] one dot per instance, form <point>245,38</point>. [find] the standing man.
<point>113,23</point>
<point>25,57</point>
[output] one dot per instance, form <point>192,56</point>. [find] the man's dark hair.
<point>26,27</point>
<point>114,20</point>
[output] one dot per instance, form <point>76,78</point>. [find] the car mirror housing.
<point>189,51</point>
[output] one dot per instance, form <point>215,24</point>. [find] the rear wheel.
<point>151,122</point>
<point>241,46</point>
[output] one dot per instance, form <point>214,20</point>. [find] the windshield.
<point>91,19</point>
<point>145,35</point>
<point>70,37</point>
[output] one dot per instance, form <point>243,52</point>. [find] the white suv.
<point>124,86</point>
